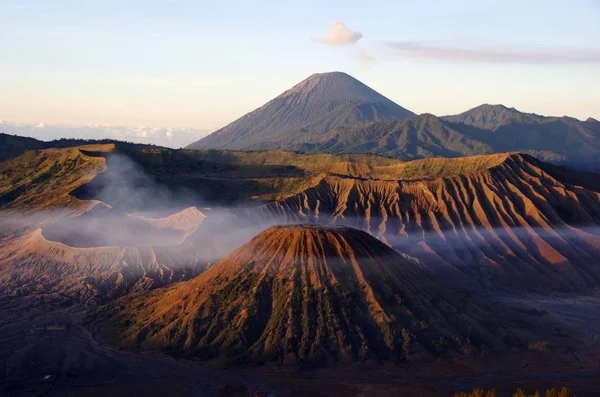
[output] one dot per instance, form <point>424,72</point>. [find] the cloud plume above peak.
<point>435,52</point>
<point>341,35</point>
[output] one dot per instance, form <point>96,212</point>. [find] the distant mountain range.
<point>334,112</point>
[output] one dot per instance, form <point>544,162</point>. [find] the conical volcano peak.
<point>336,87</point>
<point>300,246</point>
<point>307,294</point>
<point>328,74</point>
<point>315,230</point>
<point>321,77</point>
<point>344,239</point>
<point>318,104</point>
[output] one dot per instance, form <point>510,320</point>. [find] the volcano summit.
<point>309,294</point>
<point>317,104</point>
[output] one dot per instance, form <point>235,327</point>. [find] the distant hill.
<point>12,146</point>
<point>490,117</point>
<point>318,104</point>
<point>417,137</point>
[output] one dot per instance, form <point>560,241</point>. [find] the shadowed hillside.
<point>560,140</point>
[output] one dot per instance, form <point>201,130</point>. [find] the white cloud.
<point>444,53</point>
<point>170,137</point>
<point>142,132</point>
<point>341,35</point>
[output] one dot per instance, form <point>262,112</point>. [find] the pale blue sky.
<point>204,63</point>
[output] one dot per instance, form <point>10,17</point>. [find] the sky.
<point>202,64</point>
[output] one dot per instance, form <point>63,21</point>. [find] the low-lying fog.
<point>158,216</point>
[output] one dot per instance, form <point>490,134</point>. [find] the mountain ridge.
<point>357,120</point>
<point>561,140</point>
<point>490,117</point>
<point>503,221</point>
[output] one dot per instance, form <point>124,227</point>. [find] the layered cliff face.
<point>504,221</point>
<point>308,294</point>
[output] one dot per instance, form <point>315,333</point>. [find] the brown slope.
<point>506,221</point>
<point>309,294</point>
<point>39,180</point>
<point>12,146</point>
